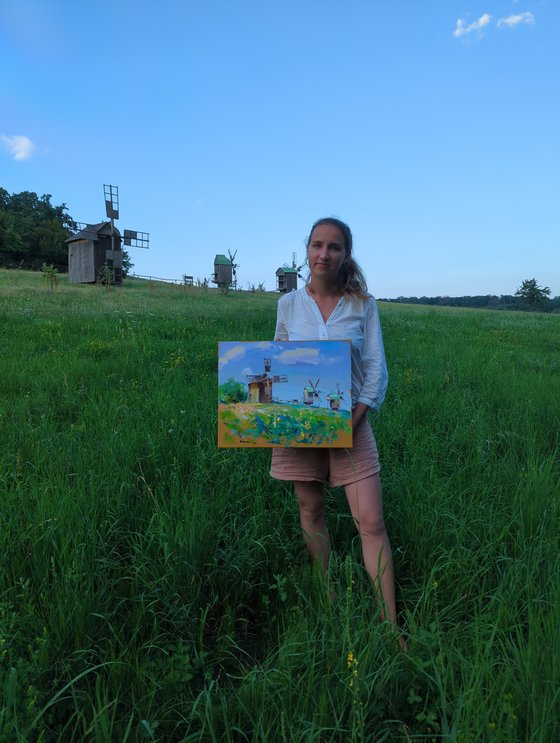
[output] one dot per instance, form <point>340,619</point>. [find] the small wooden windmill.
<point>260,385</point>
<point>94,246</point>
<point>311,393</point>
<point>287,276</point>
<point>334,398</point>
<point>225,273</point>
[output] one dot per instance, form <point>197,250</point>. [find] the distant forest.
<point>484,301</point>
<point>33,231</point>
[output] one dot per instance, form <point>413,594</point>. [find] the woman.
<point>335,305</point>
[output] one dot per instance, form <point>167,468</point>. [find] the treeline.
<point>484,301</point>
<point>33,231</point>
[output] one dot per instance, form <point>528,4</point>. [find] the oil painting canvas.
<point>284,394</point>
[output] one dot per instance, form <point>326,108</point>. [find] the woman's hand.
<point>359,412</point>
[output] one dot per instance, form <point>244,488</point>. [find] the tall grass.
<point>154,587</point>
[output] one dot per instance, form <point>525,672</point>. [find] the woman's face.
<point>326,252</point>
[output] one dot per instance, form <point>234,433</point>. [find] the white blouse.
<point>299,318</point>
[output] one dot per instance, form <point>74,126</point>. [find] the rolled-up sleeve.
<point>374,365</point>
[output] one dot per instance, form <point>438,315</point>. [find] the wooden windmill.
<point>287,276</point>
<point>93,247</point>
<point>334,398</point>
<point>225,273</point>
<point>311,393</point>
<point>260,385</point>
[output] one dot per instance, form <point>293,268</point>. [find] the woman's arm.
<point>374,366</point>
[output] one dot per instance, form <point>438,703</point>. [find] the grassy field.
<point>156,588</point>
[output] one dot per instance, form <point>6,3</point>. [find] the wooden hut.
<point>223,271</point>
<point>286,279</point>
<point>90,249</point>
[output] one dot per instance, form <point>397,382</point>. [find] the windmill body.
<point>335,398</point>
<point>225,271</point>
<point>287,276</point>
<point>260,385</point>
<point>311,393</point>
<point>90,248</point>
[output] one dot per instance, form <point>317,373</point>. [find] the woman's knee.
<point>371,523</point>
<point>311,499</point>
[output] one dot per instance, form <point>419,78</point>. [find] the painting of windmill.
<point>260,385</point>
<point>269,394</point>
<point>311,393</point>
<point>335,398</point>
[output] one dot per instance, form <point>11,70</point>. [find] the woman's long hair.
<point>351,279</point>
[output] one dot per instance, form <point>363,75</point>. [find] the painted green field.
<point>155,587</point>
<point>246,424</point>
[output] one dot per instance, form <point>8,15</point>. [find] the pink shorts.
<point>336,466</point>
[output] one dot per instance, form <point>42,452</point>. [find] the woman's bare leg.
<point>366,504</point>
<point>311,500</point>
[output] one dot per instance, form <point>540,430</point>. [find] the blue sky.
<point>432,128</point>
<point>324,364</point>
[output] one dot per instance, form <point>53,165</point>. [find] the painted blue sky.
<point>326,361</point>
<point>430,127</point>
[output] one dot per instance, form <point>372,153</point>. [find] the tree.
<point>232,391</point>
<point>127,264</point>
<point>33,231</point>
<point>532,294</point>
<point>50,274</point>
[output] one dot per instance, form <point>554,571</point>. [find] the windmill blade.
<point>111,194</point>
<point>136,239</point>
<point>79,227</point>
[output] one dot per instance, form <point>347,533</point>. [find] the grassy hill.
<point>154,587</point>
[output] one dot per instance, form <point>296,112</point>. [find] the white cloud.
<point>19,146</point>
<point>462,30</point>
<point>515,20</point>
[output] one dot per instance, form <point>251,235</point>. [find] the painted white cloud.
<point>514,20</point>
<point>462,29</point>
<point>329,360</point>
<point>20,146</point>
<point>298,356</point>
<point>264,345</point>
<point>236,352</point>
